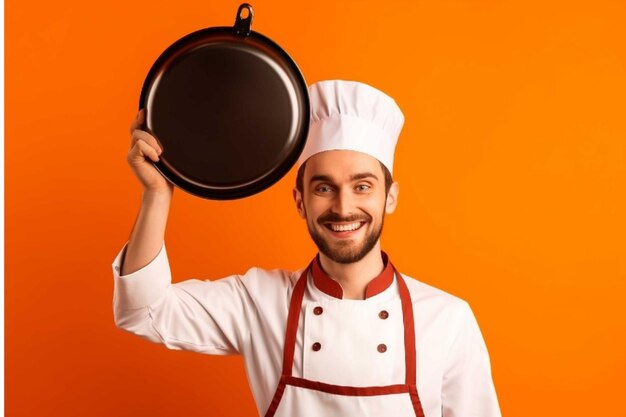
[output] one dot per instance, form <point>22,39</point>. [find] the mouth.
<point>343,229</point>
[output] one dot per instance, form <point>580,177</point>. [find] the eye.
<point>363,187</point>
<point>323,188</point>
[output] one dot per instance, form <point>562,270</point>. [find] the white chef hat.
<point>354,116</point>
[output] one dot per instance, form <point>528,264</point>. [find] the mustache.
<point>335,218</point>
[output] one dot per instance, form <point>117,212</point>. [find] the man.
<point>348,335</point>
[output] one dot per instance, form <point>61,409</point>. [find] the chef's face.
<point>344,201</point>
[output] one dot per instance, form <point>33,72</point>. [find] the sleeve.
<point>204,316</point>
<point>468,389</point>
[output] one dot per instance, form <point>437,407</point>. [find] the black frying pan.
<point>229,108</point>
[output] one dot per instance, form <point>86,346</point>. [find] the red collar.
<point>326,284</point>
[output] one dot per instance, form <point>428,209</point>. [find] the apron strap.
<point>293,319</point>
<point>295,307</point>
<point>410,362</point>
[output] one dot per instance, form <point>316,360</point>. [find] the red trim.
<point>287,378</point>
<point>415,400</point>
<point>381,282</point>
<point>295,305</point>
<point>349,391</point>
<point>278,395</point>
<point>343,390</point>
<point>326,284</point>
<point>409,332</point>
<point>410,363</point>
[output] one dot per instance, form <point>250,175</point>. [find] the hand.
<point>144,149</point>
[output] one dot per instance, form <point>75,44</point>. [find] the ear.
<point>392,198</point>
<point>297,197</point>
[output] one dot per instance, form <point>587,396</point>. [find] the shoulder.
<point>258,288</point>
<point>269,290</point>
<point>261,280</point>
<point>436,304</point>
<point>256,284</point>
<point>425,293</point>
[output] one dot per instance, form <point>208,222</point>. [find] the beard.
<point>345,251</point>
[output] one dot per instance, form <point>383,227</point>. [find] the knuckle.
<point>140,144</point>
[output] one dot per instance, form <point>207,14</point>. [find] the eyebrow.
<point>353,177</point>
<point>363,175</point>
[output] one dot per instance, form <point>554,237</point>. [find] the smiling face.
<point>344,202</point>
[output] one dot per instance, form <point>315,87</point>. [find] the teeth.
<point>345,227</point>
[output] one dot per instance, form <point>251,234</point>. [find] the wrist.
<point>149,196</point>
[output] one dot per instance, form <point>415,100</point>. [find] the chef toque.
<point>353,116</point>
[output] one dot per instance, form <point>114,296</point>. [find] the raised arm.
<point>148,232</point>
<point>205,316</point>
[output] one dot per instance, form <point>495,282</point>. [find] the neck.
<point>354,277</point>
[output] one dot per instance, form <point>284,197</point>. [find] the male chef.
<point>348,335</point>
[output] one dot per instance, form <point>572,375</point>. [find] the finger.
<point>146,137</point>
<point>145,150</point>
<point>139,119</point>
<point>148,150</point>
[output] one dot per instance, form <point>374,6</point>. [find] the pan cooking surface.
<point>226,115</point>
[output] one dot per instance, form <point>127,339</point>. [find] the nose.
<point>342,203</point>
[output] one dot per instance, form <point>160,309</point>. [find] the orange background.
<point>511,165</point>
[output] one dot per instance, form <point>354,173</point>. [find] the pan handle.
<point>242,24</point>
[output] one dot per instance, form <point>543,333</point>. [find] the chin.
<point>347,252</point>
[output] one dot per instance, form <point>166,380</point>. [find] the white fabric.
<point>300,402</point>
<point>350,332</point>
<point>354,116</point>
<point>247,314</point>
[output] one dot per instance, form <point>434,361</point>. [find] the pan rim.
<point>204,37</point>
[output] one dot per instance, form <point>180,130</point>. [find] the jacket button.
<point>316,346</point>
<point>383,315</point>
<point>382,348</point>
<point>318,310</point>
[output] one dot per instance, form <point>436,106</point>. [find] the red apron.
<point>299,397</point>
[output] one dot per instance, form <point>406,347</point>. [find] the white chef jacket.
<point>247,314</point>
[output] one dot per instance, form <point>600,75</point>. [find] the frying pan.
<point>230,109</point>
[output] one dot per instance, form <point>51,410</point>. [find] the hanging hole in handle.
<point>243,19</point>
